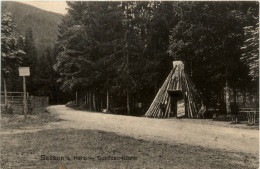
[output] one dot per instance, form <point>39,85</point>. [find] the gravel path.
<point>168,130</point>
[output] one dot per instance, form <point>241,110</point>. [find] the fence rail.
<point>35,104</point>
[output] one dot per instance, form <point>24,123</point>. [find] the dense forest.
<point>116,55</point>
<point>32,31</point>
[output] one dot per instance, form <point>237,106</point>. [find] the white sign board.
<point>24,71</point>
<point>180,108</point>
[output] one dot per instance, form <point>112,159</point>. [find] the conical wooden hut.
<point>177,97</point>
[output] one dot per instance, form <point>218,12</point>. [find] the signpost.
<point>24,71</point>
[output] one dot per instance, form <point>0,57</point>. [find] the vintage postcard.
<point>129,84</point>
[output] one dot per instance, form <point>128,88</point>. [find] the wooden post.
<point>24,71</point>
<point>24,98</point>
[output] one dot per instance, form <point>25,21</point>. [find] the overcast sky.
<point>54,6</point>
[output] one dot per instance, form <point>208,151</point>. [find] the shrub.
<point>71,104</point>
<point>82,105</point>
<point>8,109</point>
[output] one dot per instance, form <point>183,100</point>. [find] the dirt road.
<point>168,130</point>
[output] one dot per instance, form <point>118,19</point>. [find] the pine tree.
<point>251,50</point>
<point>209,44</point>
<point>10,52</point>
<point>30,60</point>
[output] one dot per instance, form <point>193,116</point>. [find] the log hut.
<point>177,97</point>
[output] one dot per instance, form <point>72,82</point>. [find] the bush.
<point>71,104</point>
<point>8,109</point>
<point>82,105</point>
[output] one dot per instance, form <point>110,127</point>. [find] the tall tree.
<point>10,51</point>
<point>125,48</point>
<point>250,47</point>
<point>210,45</point>
<point>30,59</point>
<point>85,39</point>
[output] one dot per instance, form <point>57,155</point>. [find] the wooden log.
<point>153,110</point>
<point>188,99</point>
<point>195,91</point>
<point>192,104</point>
<point>194,107</point>
<point>167,114</point>
<point>193,96</point>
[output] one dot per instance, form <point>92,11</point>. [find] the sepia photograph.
<point>129,84</point>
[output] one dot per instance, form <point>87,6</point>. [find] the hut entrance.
<point>173,103</point>
<point>175,97</point>
<point>177,86</point>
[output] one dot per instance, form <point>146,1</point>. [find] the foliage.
<point>9,47</point>
<point>127,48</point>
<point>250,49</point>
<point>34,50</point>
<point>11,53</point>
<point>103,45</point>
<point>43,23</point>
<point>209,44</point>
<point>7,109</point>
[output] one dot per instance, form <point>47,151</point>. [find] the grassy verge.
<point>78,149</point>
<point>17,121</point>
<point>241,124</point>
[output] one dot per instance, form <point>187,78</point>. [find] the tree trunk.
<point>5,92</point>
<point>128,101</point>
<point>76,98</point>
<point>108,104</point>
<point>85,98</point>
<point>90,101</point>
<point>235,95</point>
<point>94,101</point>
<point>98,102</point>
<point>101,101</point>
<point>87,102</point>
<point>227,99</point>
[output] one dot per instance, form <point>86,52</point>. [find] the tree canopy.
<point>10,50</point>
<point>127,48</point>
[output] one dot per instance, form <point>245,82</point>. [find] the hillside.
<point>44,23</point>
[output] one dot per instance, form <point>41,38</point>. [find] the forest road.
<point>166,130</point>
